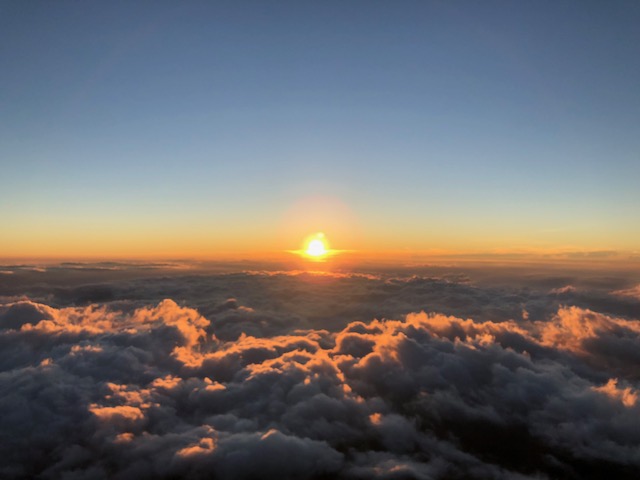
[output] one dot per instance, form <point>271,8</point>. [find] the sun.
<point>316,246</point>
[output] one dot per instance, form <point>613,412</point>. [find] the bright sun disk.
<point>316,248</point>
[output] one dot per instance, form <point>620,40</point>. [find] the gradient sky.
<point>197,128</point>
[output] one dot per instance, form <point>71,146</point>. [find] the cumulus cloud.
<point>633,292</point>
<point>248,385</point>
<point>627,396</point>
<point>607,342</point>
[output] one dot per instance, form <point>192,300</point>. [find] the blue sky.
<point>472,124</point>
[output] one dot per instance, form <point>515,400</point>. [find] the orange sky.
<point>272,234</point>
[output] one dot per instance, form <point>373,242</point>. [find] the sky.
<point>210,129</point>
<point>379,240</point>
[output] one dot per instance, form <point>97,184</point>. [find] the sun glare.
<point>316,248</point>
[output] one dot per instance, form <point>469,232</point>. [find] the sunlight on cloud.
<point>370,398</point>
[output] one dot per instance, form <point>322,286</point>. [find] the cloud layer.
<point>130,390</point>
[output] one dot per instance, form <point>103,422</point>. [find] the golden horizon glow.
<point>134,236</point>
